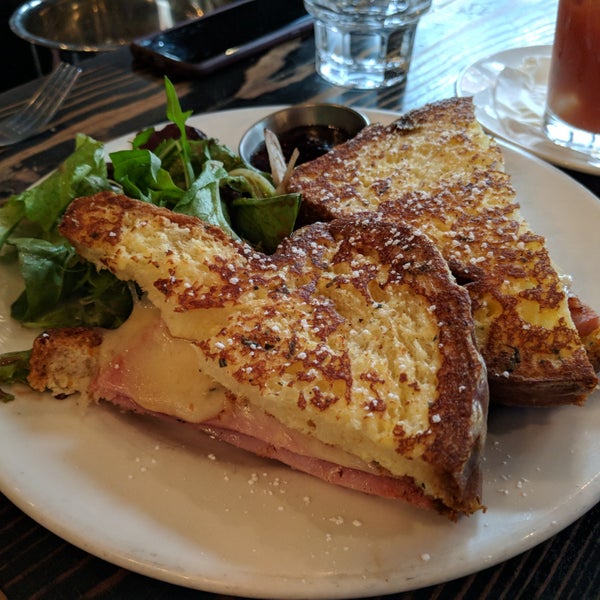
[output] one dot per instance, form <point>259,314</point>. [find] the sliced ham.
<point>585,318</point>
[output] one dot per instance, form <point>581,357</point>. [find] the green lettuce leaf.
<point>14,368</point>
<point>264,222</point>
<point>62,290</point>
<point>39,208</point>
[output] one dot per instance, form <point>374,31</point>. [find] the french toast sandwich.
<point>435,169</point>
<point>349,353</point>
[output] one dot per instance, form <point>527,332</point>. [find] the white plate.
<point>167,502</point>
<point>509,91</point>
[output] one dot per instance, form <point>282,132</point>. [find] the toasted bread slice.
<point>354,333</point>
<point>119,367</point>
<point>435,169</point>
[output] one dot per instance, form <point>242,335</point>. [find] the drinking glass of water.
<point>365,44</point>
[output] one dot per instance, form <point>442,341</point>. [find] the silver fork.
<point>41,108</point>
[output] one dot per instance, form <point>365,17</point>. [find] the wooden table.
<point>114,97</point>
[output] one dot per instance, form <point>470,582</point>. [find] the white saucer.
<point>509,91</point>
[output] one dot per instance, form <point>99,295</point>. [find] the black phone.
<point>225,35</point>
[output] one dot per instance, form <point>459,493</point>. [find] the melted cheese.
<point>160,372</point>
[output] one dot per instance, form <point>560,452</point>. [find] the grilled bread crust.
<point>65,360</point>
<point>353,332</point>
<point>435,169</point>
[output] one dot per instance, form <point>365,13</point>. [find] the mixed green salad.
<point>177,167</point>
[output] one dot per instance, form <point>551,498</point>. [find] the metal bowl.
<point>101,25</point>
<point>336,122</point>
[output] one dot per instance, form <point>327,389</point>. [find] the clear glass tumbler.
<point>572,117</point>
<point>365,44</point>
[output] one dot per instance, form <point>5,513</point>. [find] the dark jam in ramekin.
<point>311,140</point>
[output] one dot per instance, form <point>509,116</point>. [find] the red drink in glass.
<point>573,107</point>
